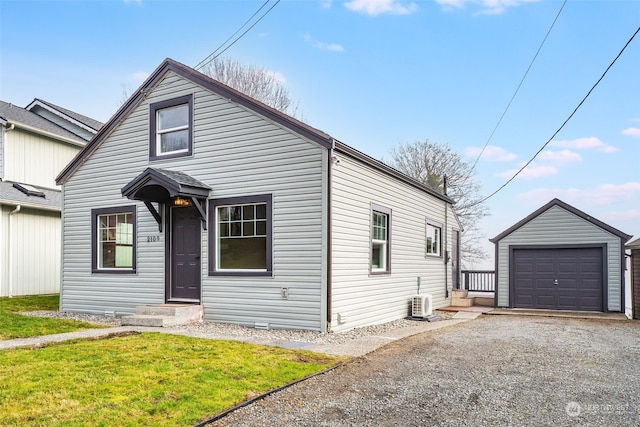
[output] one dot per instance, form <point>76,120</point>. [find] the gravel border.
<point>230,331</point>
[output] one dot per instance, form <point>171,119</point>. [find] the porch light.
<point>180,201</point>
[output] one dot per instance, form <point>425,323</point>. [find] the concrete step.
<point>459,293</point>
<point>485,301</point>
<point>462,302</point>
<point>164,315</point>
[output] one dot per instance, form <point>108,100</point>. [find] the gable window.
<point>170,125</point>
<point>241,236</point>
<point>380,239</point>
<point>113,238</point>
<point>433,238</point>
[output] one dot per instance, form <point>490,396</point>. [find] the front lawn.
<point>142,379</point>
<point>14,325</point>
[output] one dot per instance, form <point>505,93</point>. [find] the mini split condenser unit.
<point>421,305</point>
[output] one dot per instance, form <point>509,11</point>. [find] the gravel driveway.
<point>495,370</point>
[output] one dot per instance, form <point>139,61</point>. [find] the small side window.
<point>170,124</point>
<point>433,239</point>
<point>380,261</point>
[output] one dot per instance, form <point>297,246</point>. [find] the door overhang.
<point>166,187</point>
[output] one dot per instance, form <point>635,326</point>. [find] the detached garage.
<point>560,258</point>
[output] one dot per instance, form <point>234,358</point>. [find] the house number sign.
<point>153,238</point>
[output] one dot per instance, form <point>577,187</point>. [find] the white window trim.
<point>160,132</point>
<point>437,226</point>
<point>385,244</point>
<point>219,238</point>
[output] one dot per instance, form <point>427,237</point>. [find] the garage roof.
<point>557,202</point>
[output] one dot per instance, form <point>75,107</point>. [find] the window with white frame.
<point>113,239</point>
<point>380,242</point>
<point>241,236</point>
<point>433,238</point>
<point>170,128</point>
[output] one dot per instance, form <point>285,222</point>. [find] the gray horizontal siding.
<point>236,153</point>
<point>557,226</point>
<point>356,294</point>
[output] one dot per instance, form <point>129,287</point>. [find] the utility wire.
<point>213,55</point>
<point>515,93</point>
<point>563,124</point>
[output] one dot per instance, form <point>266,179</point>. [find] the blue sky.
<point>376,73</point>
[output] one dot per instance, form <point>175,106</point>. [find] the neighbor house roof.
<point>565,206</point>
<point>72,116</point>
<point>634,244</point>
<point>48,199</point>
<point>25,119</point>
<point>284,120</point>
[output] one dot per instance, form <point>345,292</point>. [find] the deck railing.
<point>478,280</point>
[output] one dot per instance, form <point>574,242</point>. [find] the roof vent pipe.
<point>444,184</point>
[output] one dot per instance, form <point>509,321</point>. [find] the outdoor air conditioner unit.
<point>421,305</point>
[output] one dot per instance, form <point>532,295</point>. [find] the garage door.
<point>558,279</point>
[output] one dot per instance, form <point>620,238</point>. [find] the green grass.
<point>142,379</point>
<point>14,325</point>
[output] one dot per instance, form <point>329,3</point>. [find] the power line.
<point>213,54</point>
<point>516,91</point>
<point>564,123</point>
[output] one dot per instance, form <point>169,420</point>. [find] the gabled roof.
<point>173,183</point>
<point>22,118</point>
<point>302,129</point>
<point>567,207</point>
<point>72,116</point>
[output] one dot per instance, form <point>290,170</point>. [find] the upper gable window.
<point>171,128</point>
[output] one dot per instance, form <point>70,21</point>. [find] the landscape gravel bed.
<point>230,331</point>
<point>492,371</point>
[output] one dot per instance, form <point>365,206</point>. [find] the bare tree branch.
<point>428,162</point>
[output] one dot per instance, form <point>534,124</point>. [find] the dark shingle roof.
<point>87,121</point>
<point>13,113</point>
<point>52,199</point>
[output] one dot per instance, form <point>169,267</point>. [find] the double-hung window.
<point>380,239</point>
<point>433,238</point>
<point>171,128</point>
<point>241,236</point>
<point>113,238</point>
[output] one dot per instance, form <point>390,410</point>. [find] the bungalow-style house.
<point>560,258</point>
<point>36,142</point>
<point>195,193</point>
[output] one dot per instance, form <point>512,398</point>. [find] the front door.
<point>455,259</point>
<point>185,268</point>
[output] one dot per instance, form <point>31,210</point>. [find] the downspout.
<point>10,269</point>
<point>446,232</point>
<point>329,233</point>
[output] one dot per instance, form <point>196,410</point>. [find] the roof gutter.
<point>32,129</point>
<point>30,205</point>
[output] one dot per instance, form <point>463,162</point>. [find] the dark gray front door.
<point>558,279</point>
<point>455,259</point>
<point>185,254</point>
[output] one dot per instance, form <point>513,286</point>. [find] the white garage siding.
<point>236,153</point>
<point>557,226</point>
<point>358,296</point>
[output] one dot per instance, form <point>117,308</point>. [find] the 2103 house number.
<point>153,238</point>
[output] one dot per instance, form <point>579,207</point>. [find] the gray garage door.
<point>558,279</point>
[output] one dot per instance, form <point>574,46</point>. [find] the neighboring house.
<point>36,143</point>
<point>560,258</point>
<point>634,247</point>
<point>196,193</point>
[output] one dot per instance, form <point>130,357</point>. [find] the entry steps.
<point>164,315</point>
<point>462,298</point>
